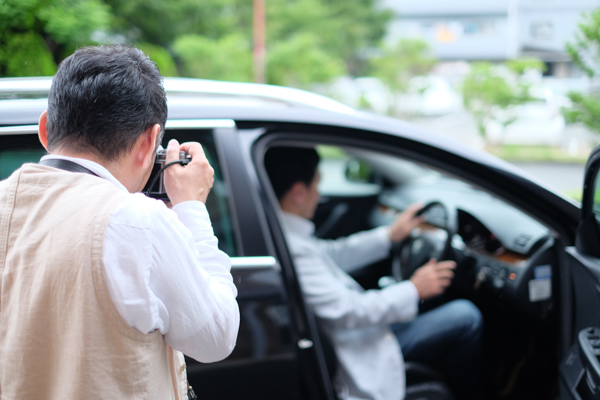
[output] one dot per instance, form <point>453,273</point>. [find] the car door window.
<point>217,202</point>
<point>17,149</point>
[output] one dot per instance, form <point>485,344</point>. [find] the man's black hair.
<point>288,165</point>
<point>102,99</point>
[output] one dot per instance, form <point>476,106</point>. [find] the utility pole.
<point>259,50</point>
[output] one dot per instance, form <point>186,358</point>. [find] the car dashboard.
<point>503,254</point>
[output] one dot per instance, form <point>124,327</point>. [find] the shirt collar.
<point>91,165</point>
<point>296,224</point>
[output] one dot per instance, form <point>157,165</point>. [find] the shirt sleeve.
<point>164,271</point>
<point>336,297</point>
<point>358,250</point>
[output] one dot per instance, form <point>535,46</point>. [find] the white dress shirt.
<point>356,320</point>
<point>164,271</point>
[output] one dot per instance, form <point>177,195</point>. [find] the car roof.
<point>22,100</point>
<point>38,87</point>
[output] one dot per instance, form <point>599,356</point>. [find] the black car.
<point>527,257</point>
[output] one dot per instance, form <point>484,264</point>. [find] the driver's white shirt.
<point>357,320</point>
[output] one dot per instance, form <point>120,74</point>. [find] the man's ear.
<point>146,145</point>
<point>297,193</point>
<point>42,129</point>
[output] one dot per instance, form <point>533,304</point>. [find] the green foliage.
<point>522,65</point>
<point>299,62</point>
<point>161,57</point>
<point>26,55</point>
<point>539,153</point>
<point>162,22</point>
<point>73,21</point>
<point>584,109</point>
<point>307,40</point>
<point>32,29</point>
<point>585,52</point>
<point>347,30</point>
<point>399,64</point>
<point>226,59</point>
<point>492,92</point>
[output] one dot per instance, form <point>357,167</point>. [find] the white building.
<point>492,30</point>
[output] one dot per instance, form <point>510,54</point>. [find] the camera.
<point>155,187</point>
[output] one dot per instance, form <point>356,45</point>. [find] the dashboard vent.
<point>522,241</point>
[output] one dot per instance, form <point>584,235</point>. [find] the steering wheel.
<point>424,243</point>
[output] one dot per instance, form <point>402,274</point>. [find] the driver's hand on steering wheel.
<point>406,222</point>
<point>433,278</point>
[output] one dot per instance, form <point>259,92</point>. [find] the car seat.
<point>422,381</point>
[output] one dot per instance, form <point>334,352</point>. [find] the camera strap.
<point>66,165</point>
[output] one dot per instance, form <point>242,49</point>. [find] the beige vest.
<point>61,336</point>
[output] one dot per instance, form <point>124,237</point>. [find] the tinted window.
<point>18,149</point>
<point>217,202</point>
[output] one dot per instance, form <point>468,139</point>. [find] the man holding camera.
<point>101,287</point>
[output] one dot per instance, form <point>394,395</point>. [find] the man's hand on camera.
<point>405,222</point>
<point>191,182</point>
<point>433,278</point>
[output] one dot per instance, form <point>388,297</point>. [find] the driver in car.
<point>368,328</point>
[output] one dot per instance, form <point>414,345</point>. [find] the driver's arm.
<point>358,250</point>
<point>364,248</point>
<point>338,299</point>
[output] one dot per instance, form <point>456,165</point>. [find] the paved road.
<point>564,177</point>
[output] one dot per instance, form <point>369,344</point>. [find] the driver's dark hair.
<point>101,100</point>
<point>288,165</point>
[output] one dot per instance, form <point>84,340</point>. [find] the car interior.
<point>505,260</point>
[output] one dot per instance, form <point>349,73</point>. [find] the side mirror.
<point>588,231</point>
<point>358,171</point>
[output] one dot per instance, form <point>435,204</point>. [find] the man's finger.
<point>194,149</point>
<point>413,208</point>
<point>445,265</point>
<point>172,150</point>
<point>430,263</point>
<point>445,274</point>
<point>416,221</point>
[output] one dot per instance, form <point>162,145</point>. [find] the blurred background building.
<point>494,30</point>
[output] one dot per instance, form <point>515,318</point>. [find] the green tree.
<point>348,30</point>
<point>228,58</point>
<point>398,65</point>
<point>161,57</point>
<point>585,107</point>
<point>492,92</point>
<point>35,35</point>
<point>336,35</point>
<point>162,22</point>
<point>299,62</point>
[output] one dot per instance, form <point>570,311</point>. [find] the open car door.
<point>580,368</point>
